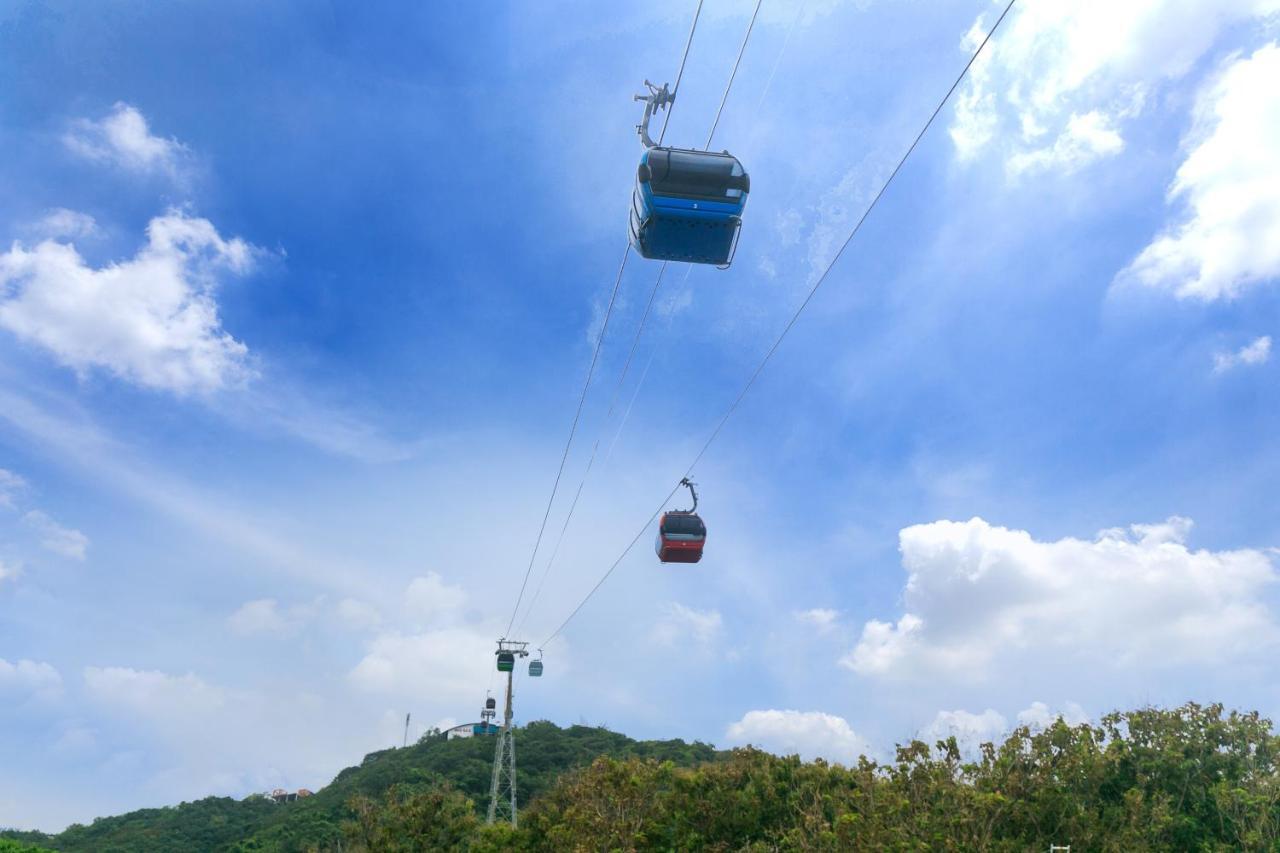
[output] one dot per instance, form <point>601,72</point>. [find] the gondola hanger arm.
<point>657,99</point>
<point>686,482</point>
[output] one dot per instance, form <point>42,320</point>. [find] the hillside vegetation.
<point>1191,778</point>
<point>256,823</point>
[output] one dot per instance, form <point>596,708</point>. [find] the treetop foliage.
<point>1190,778</point>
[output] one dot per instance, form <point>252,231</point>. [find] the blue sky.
<point>296,303</point>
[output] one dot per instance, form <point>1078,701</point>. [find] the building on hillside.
<point>280,795</point>
<point>470,730</point>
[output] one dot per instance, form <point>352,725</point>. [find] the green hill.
<point>1189,778</point>
<point>257,823</point>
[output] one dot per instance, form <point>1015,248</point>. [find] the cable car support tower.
<point>502,787</point>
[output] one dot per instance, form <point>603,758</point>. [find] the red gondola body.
<point>681,536</point>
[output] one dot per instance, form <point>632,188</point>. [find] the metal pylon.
<point>502,786</point>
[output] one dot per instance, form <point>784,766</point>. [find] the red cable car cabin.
<point>681,536</point>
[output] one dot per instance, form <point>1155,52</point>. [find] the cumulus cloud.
<point>358,614</point>
<point>430,600</point>
<point>9,570</point>
<point>1258,351</point>
<point>448,663</point>
<point>1228,239</point>
<point>682,625</point>
<point>977,596</point>
<point>822,618</point>
<point>152,319</point>
<point>247,739</point>
<point>266,616</point>
<point>1054,88</point>
<point>54,537</point>
<point>75,741</point>
<point>432,653</point>
<point>151,693</point>
<point>261,616</point>
<point>29,678</point>
<point>124,140</point>
<point>970,730</point>
<point>1086,138</point>
<point>809,734</point>
<point>61,223</point>
<point>1041,716</point>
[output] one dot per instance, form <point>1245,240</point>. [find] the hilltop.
<point>258,823</point>
<point>1189,778</point>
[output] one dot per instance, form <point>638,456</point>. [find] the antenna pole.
<point>406,730</point>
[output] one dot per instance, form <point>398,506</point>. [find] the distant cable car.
<point>490,704</point>
<point>681,533</point>
<point>535,666</point>
<point>687,204</point>
<point>506,661</point>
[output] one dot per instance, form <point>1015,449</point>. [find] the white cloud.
<point>54,537</point>
<point>970,730</point>
<point>977,596</point>
<point>152,693</point>
<point>1229,238</point>
<point>261,616</point>
<point>675,302</point>
<point>430,599</point>
<point>1040,716</point>
<point>152,319</point>
<point>450,664</point>
<point>124,140</point>
<point>9,570</point>
<point>822,618</point>
<point>247,739</point>
<point>809,734</point>
<point>789,225</point>
<point>1054,86</point>
<point>76,740</point>
<point>30,677</point>
<point>61,223</point>
<point>838,209</point>
<point>1087,138</point>
<point>265,616</point>
<point>114,464</point>
<point>10,485</point>
<point>358,614</point>
<point>1258,351</point>
<point>680,625</point>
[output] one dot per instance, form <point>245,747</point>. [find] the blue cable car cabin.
<point>687,205</point>
<point>535,668</point>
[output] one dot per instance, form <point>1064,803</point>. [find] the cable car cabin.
<point>490,704</point>
<point>506,662</point>
<point>687,205</point>
<point>535,668</point>
<point>681,536</point>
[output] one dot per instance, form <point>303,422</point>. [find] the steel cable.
<point>733,73</point>
<point>790,323</point>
